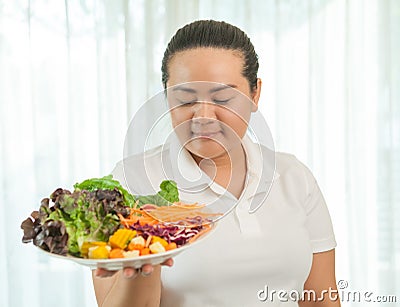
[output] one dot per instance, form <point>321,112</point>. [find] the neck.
<point>228,169</point>
<point>225,161</point>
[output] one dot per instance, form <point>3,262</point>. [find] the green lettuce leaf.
<point>106,183</point>
<point>167,195</point>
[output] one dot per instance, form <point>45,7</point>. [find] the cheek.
<point>237,123</point>
<point>180,116</point>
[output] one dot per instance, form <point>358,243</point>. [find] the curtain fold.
<point>388,144</point>
<point>73,73</point>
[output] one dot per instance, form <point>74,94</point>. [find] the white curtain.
<point>72,74</point>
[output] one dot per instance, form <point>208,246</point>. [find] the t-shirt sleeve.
<point>318,220</point>
<point>118,173</point>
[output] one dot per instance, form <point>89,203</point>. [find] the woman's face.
<point>210,100</point>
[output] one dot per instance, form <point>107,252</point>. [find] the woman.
<point>286,244</point>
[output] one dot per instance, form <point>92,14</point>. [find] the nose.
<point>204,112</point>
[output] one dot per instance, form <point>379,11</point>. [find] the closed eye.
<point>187,102</point>
<point>221,101</point>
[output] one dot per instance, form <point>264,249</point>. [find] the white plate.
<point>137,262</point>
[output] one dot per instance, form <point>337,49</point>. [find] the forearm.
<point>320,297</point>
<point>120,291</point>
<point>324,303</point>
<point>321,282</point>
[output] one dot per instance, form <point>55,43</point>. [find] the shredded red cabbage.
<point>171,233</point>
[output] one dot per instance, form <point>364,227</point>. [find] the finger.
<point>169,262</point>
<point>102,273</point>
<point>147,269</point>
<point>130,273</point>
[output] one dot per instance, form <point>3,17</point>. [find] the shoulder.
<point>139,173</point>
<point>293,173</point>
<point>138,161</point>
<point>287,162</point>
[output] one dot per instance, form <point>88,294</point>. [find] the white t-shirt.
<point>257,259</point>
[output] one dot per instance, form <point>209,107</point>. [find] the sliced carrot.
<point>133,246</point>
<point>116,253</point>
<point>171,246</point>
<point>145,251</point>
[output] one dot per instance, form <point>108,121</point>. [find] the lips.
<point>211,129</point>
<point>205,134</point>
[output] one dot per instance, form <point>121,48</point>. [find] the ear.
<point>256,95</point>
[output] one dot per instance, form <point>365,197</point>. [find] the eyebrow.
<point>222,87</point>
<point>184,89</point>
<point>213,90</point>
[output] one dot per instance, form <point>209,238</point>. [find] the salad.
<point>99,219</point>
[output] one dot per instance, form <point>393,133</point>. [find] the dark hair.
<point>217,34</point>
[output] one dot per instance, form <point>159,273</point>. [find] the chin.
<point>206,148</point>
